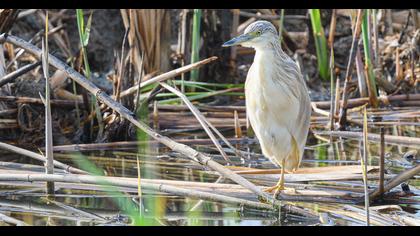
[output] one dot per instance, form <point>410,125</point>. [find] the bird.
<point>277,100</point>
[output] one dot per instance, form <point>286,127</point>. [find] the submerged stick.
<point>382,162</point>
<point>404,176</point>
<point>364,159</point>
<point>127,114</point>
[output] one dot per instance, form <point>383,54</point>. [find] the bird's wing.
<point>296,114</point>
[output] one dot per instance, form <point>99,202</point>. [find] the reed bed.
<point>154,134</point>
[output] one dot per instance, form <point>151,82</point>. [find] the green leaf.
<point>86,33</point>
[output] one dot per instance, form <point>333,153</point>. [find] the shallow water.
<point>72,206</point>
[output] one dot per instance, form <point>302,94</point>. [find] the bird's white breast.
<point>271,107</point>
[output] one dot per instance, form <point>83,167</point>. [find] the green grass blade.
<point>320,43</point>
<point>86,33</point>
<point>195,48</point>
<point>367,44</point>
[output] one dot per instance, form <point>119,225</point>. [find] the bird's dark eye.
<point>259,32</point>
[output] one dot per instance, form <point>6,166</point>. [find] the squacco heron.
<point>277,100</point>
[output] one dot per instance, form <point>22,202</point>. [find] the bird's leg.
<point>280,184</point>
<point>281,181</point>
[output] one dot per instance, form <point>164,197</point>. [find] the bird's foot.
<point>277,189</point>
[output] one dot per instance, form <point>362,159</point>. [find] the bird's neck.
<point>268,50</point>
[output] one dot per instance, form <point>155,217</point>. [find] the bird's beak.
<point>238,40</point>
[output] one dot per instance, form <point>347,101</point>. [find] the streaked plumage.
<point>277,100</point>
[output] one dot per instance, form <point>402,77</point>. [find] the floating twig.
<point>40,158</point>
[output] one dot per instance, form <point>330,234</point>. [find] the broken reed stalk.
<point>49,164</point>
<point>356,34</point>
<point>337,97</point>
<point>138,93</point>
<point>361,79</point>
<point>332,111</point>
<point>200,118</point>
<point>233,33</point>
<point>364,160</point>
<point>404,176</point>
<point>167,75</point>
<point>15,74</point>
<point>382,162</point>
<point>114,181</point>
<point>332,28</point>
<point>41,158</point>
<point>189,152</point>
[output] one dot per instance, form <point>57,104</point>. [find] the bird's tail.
<point>293,160</point>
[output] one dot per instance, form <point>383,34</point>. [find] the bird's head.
<point>256,35</point>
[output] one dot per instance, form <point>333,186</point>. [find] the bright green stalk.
<point>368,57</point>
<point>320,43</point>
<point>122,201</point>
<point>152,203</point>
<point>84,33</point>
<point>195,48</point>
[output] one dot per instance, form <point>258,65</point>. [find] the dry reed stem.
<point>40,158</point>
<point>201,119</point>
<point>372,137</point>
<point>15,74</point>
<point>114,145</point>
<point>356,35</point>
<point>168,75</point>
<point>121,182</point>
